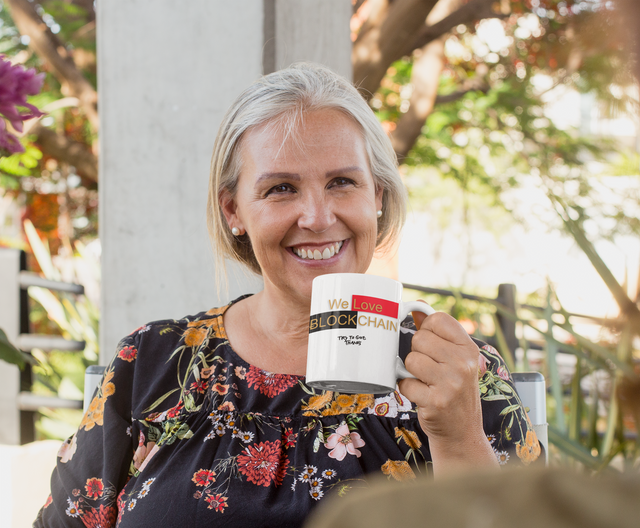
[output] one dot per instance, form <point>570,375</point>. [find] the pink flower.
<point>503,372</point>
<point>15,84</point>
<point>342,442</point>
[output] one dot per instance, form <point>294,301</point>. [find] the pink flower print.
<point>503,373</point>
<point>483,363</point>
<point>342,442</point>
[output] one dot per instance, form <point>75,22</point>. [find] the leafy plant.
<point>11,354</point>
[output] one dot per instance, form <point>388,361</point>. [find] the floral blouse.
<point>184,432</point>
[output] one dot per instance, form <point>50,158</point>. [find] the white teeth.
<point>315,254</point>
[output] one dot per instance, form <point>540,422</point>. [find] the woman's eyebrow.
<point>344,170</point>
<point>276,176</point>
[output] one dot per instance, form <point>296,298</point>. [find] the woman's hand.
<point>444,360</point>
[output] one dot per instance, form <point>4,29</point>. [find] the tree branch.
<point>382,38</point>
<point>64,149</point>
<point>470,12</point>
<point>425,77</point>
<point>50,49</point>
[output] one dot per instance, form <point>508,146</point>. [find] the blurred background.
<point>515,123</point>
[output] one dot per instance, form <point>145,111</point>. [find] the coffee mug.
<point>354,333</point>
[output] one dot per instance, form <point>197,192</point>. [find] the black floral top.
<point>183,432</point>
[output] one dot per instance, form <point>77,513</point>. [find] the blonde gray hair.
<point>282,98</point>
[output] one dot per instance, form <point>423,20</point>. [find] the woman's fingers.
<point>446,327</point>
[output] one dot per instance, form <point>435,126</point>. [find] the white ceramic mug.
<point>354,333</point>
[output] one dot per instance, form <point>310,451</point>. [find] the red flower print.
<point>268,383</point>
<point>263,463</point>
<point>174,411</point>
<point>103,517</point>
<point>94,487</point>
<point>121,504</point>
<point>128,353</point>
<point>216,502</point>
<point>289,438</point>
<point>199,386</point>
<point>203,477</point>
<point>48,503</point>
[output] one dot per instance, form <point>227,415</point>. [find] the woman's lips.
<point>318,253</point>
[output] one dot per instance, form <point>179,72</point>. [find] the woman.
<point>207,419</point>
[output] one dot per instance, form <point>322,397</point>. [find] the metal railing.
<point>19,404</point>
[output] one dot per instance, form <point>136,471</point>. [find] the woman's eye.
<point>280,189</point>
<point>342,182</point>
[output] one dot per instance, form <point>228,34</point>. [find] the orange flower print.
<point>220,389</point>
<point>194,337</point>
<point>203,477</point>
<point>410,437</point>
<point>530,450</point>
<point>241,372</point>
<point>128,353</point>
<point>317,402</point>
<point>398,469</point>
<point>94,487</point>
<point>94,414</point>
<point>227,406</point>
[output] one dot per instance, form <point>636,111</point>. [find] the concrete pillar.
<point>308,30</point>
<point>168,71</point>
<point>10,323</point>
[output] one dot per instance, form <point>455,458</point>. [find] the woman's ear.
<point>230,210</point>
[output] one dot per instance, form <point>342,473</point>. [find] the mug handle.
<point>413,306</point>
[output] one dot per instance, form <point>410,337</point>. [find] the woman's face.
<point>307,202</point>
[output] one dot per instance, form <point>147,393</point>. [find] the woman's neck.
<point>270,330</point>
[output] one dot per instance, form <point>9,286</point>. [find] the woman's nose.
<point>316,215</point>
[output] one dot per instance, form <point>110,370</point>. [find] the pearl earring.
<point>235,231</point>
<point>379,213</point>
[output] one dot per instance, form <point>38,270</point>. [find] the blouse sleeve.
<point>93,465</point>
<point>505,420</point>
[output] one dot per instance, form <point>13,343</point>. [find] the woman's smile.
<point>318,251</point>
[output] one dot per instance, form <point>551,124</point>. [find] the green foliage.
<point>11,354</point>
<point>61,373</point>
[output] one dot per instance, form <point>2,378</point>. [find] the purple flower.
<point>16,83</point>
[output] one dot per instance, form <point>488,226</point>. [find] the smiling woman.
<point>208,419</point>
